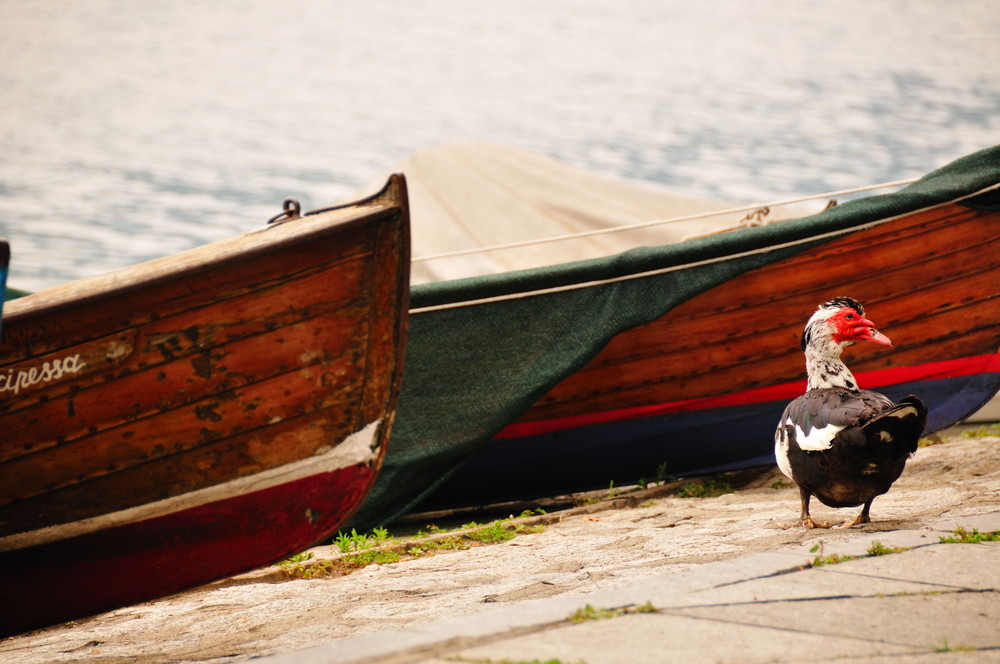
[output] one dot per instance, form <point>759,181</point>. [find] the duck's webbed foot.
<point>861,519</point>
<point>805,520</point>
<point>809,524</point>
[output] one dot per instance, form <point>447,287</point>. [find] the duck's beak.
<point>869,333</point>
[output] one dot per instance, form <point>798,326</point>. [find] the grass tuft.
<point>948,648</point>
<point>704,489</point>
<point>962,536</point>
<point>832,559</point>
<point>373,557</point>
<point>879,549</point>
<point>588,612</point>
<point>380,548</point>
<point>876,549</point>
<point>491,534</point>
<point>296,559</point>
<point>983,431</point>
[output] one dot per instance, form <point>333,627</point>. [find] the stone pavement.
<point>933,602</point>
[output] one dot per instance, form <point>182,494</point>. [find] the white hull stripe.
<point>353,450</point>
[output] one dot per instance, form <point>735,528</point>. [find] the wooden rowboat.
<point>574,376</point>
<point>195,416</point>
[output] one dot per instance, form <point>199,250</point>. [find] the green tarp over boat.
<point>482,350</point>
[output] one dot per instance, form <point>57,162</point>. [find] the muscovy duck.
<point>844,445</point>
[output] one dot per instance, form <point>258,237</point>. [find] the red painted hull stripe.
<point>966,366</point>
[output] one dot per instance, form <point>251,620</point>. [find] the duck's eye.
<point>849,316</point>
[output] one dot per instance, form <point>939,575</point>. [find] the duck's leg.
<point>806,520</point>
<point>862,518</point>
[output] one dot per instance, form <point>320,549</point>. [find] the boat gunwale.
<point>275,237</point>
<point>692,253</point>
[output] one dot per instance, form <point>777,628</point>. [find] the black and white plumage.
<point>844,445</point>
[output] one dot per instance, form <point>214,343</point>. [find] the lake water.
<point>133,130</point>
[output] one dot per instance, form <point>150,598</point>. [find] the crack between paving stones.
<point>793,630</point>
<point>826,598</point>
<point>681,612</point>
<point>807,566</point>
<point>420,653</point>
<point>900,580</point>
<point>915,649</point>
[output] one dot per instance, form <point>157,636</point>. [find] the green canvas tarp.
<point>472,369</point>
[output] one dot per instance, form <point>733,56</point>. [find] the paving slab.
<point>654,639</point>
<point>765,607</point>
<point>787,617</point>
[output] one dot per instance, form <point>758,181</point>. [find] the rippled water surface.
<point>133,130</point>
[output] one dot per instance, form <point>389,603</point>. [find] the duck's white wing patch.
<point>781,451</point>
<point>903,413</point>
<point>814,439</point>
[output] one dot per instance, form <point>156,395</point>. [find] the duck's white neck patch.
<point>823,364</point>
<point>825,372</point>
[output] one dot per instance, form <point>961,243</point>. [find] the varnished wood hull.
<point>199,415</point>
<point>702,387</point>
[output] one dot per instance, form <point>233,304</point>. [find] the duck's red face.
<point>851,326</point>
